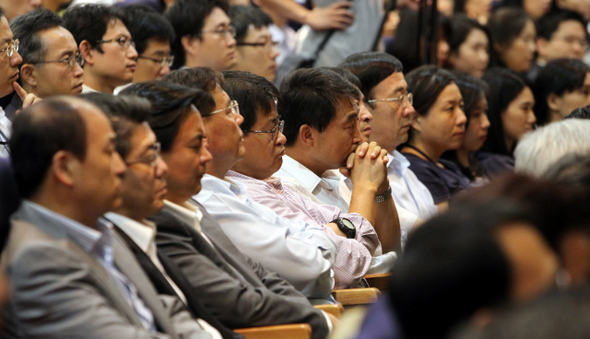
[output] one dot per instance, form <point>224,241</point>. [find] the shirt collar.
<point>398,162</point>
<point>303,174</point>
<point>188,213</point>
<point>142,233</point>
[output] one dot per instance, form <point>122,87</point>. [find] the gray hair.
<point>540,149</point>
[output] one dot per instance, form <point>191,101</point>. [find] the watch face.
<point>348,223</point>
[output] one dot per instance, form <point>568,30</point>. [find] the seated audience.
<point>71,276</point>
<point>475,107</point>
<point>534,8</point>
<point>235,289</point>
<point>9,64</point>
<point>152,35</point>
<point>321,112</point>
<point>474,258</point>
<point>204,35</point>
<point>52,63</point>
<point>256,50</point>
<point>512,35</point>
<point>510,111</point>
<point>356,246</point>
<point>560,34</point>
<point>438,127</point>
<point>561,86</point>
<point>474,9</point>
<point>469,46</point>
<point>543,147</point>
<point>301,253</point>
<point>106,45</point>
<point>386,96</point>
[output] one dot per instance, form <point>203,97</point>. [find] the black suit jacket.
<point>236,290</point>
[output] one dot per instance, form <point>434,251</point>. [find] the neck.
<point>433,153</point>
<point>97,83</point>
<point>463,157</point>
<point>218,169</point>
<point>131,214</point>
<point>554,116</point>
<point>178,199</point>
<point>305,159</point>
<point>62,203</point>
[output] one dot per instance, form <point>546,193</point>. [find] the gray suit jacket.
<point>60,291</point>
<point>235,289</point>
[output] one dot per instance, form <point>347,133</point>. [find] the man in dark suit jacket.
<point>236,290</point>
<point>71,276</point>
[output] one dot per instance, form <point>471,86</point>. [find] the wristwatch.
<point>346,226</point>
<point>384,196</point>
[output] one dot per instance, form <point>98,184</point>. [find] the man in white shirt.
<point>386,97</point>
<point>321,113</point>
<point>106,45</point>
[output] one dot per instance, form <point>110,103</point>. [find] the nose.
<point>35,3</point>
<point>118,165</point>
<point>531,117</point>
<point>274,52</point>
<point>281,139</point>
<point>239,119</point>
<point>230,41</point>
<point>408,111</point>
<point>161,168</point>
<point>15,59</point>
<point>132,53</point>
<point>364,113</point>
<point>486,122</point>
<point>78,71</point>
<point>461,118</point>
<point>357,137</point>
<point>205,156</point>
<point>164,70</point>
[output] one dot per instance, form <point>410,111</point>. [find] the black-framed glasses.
<point>71,61</point>
<point>13,47</point>
<point>150,160</point>
<point>222,32</point>
<point>267,44</point>
<point>123,41</point>
<point>162,61</point>
<point>275,131</point>
<point>233,106</point>
<point>404,99</point>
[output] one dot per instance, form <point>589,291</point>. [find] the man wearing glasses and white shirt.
<point>9,61</point>
<point>204,36</point>
<point>106,45</point>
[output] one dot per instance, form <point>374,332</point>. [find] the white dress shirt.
<point>5,132</point>
<point>301,253</point>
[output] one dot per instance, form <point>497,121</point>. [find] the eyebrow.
<point>352,116</point>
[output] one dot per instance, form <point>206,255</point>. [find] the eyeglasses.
<point>13,47</point>
<point>222,32</point>
<point>404,99</point>
<point>70,61</point>
<point>233,106</point>
<point>150,160</point>
<point>267,44</point>
<point>123,41</point>
<point>275,131</point>
<point>570,40</point>
<point>163,61</point>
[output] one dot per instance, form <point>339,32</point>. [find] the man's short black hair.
<point>170,106</point>
<point>90,22</point>
<point>549,23</point>
<point>579,113</point>
<point>39,132</point>
<point>253,93</point>
<point>125,113</point>
<point>312,96</point>
<point>145,24</point>
<point>243,16</point>
<point>371,68</point>
<point>203,78</point>
<point>27,29</point>
<point>558,77</point>
<point>188,18</point>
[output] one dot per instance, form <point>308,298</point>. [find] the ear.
<point>417,122</point>
<point>306,134</point>
<point>64,167</point>
<point>87,52</point>
<point>28,74</point>
<point>190,44</point>
<point>553,102</point>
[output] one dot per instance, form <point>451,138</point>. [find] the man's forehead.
<point>254,33</point>
<point>5,32</point>
<point>215,18</point>
<point>116,26</point>
<point>58,39</point>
